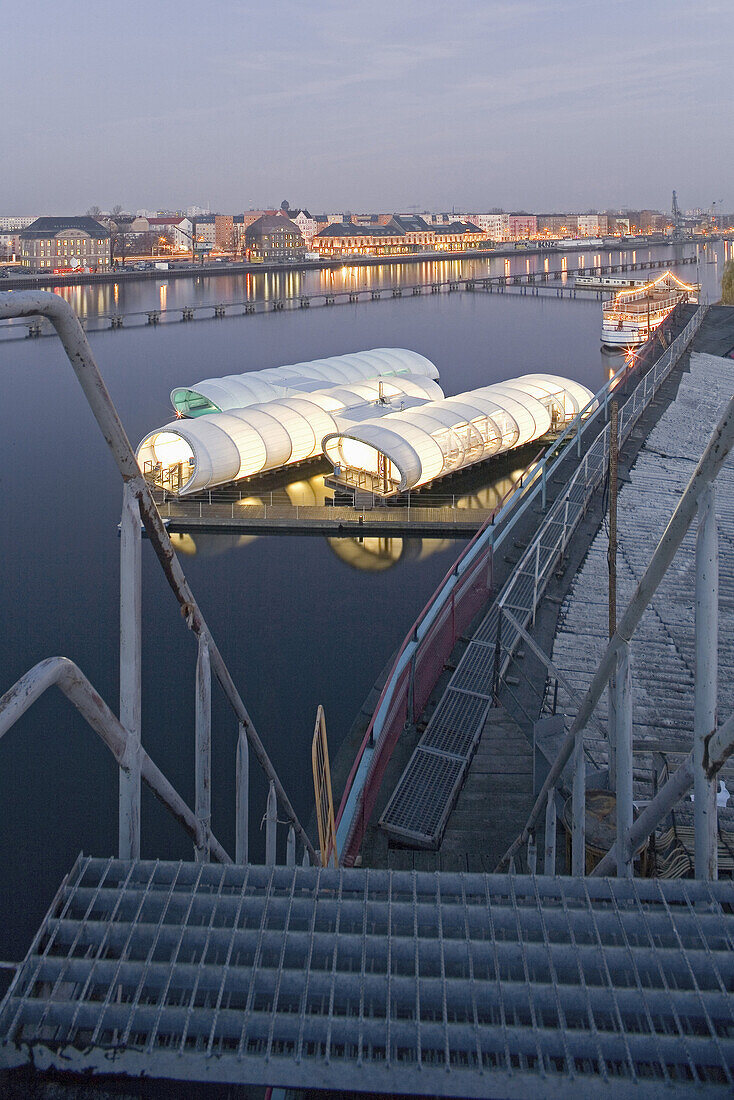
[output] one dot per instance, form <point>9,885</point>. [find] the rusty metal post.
<point>242,796</point>
<point>705,689</point>
<point>271,825</point>
<point>203,749</point>
<point>624,761</point>
<point>130,672</point>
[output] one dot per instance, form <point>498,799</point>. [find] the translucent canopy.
<point>190,455</point>
<point>407,449</point>
<point>235,391</point>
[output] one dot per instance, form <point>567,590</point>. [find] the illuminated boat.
<point>631,316</point>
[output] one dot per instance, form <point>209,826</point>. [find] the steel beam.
<point>578,835</point>
<point>130,673</point>
<point>705,688</point>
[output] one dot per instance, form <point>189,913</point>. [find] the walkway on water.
<point>554,284</point>
<point>497,778</point>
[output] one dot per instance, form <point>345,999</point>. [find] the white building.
<point>496,226</point>
<point>306,226</point>
<point>592,225</point>
<point>13,221</point>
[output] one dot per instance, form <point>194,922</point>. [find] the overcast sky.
<point>378,105</point>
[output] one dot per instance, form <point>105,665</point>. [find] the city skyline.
<point>530,105</point>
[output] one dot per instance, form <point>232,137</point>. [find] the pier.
<point>555,284</point>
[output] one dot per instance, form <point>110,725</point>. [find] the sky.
<point>544,105</point>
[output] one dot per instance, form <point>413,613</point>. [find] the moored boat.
<point>631,316</point>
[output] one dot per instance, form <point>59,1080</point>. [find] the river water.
<point>300,621</point>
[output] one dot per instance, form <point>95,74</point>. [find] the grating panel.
<point>418,806</point>
<point>453,985</point>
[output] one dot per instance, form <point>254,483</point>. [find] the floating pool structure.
<point>235,391</point>
<point>417,446</point>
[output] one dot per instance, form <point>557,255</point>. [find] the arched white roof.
<point>427,442</point>
<point>226,446</point>
<point>235,391</point>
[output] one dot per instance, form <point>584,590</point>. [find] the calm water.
<point>301,621</point>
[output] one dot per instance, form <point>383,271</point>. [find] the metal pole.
<point>535,582</point>
<point>612,565</point>
<point>544,497</point>
<point>130,673</point>
<point>549,861</point>
<point>624,761</point>
<point>290,848</point>
<point>578,835</point>
<point>271,824</point>
<point>704,720</point>
<point>203,750</point>
<point>242,807</point>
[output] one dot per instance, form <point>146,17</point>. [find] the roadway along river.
<point>301,621</point>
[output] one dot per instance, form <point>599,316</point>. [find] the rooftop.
<point>49,227</point>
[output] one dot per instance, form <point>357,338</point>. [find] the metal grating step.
<point>447,984</point>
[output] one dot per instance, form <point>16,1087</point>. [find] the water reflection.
<point>133,295</point>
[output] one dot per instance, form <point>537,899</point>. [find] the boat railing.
<point>123,736</point>
<point>469,584</point>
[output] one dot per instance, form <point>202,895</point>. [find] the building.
<point>494,226</point>
<point>12,221</point>
<point>458,236</point>
<point>592,225</point>
<point>224,235</point>
<point>65,244</point>
<point>273,237</point>
<point>557,225</point>
<point>404,234</point>
<point>9,244</point>
<point>522,226</point>
<point>306,225</point>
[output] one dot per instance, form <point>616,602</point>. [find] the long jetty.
<point>557,283</point>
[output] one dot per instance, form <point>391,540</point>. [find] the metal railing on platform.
<point>469,584</point>
<point>712,744</point>
<point>123,736</point>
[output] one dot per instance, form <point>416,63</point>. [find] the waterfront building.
<point>65,243</point>
<point>592,225</point>
<point>458,236</point>
<point>557,225</point>
<point>306,225</point>
<point>494,226</point>
<point>273,237</point>
<point>402,235</point>
<point>9,243</point>
<point>522,226</point>
<point>224,236</point>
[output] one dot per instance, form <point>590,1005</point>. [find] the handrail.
<point>68,677</point>
<point>73,338</point>
<point>506,516</point>
<point>708,467</point>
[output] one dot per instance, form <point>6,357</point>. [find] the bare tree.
<point>727,284</point>
<point>94,212</point>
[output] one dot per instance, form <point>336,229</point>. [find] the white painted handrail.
<point>64,674</point>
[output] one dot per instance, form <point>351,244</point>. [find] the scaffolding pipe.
<point>623,709</point>
<point>203,736</point>
<point>705,688</point>
<point>130,673</point>
<point>706,471</point>
<point>62,317</point>
<point>578,804</point>
<point>64,674</point>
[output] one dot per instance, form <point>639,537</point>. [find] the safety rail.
<point>139,507</point>
<point>712,744</point>
<point>468,585</point>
